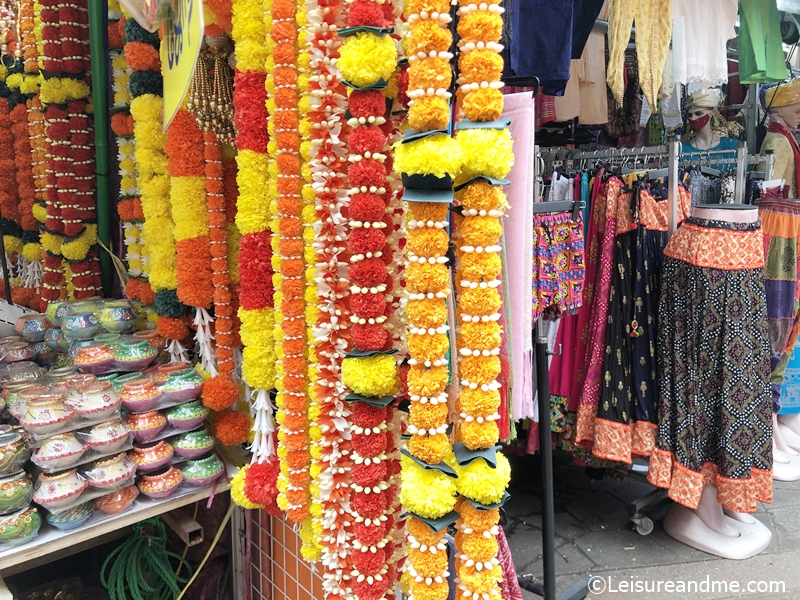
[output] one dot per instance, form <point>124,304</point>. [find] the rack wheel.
<point>644,524</point>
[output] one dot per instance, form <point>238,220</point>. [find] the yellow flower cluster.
<point>154,185</point>
<point>189,211</point>
<point>366,58</point>
<point>249,33</point>
<point>121,73</point>
<point>57,90</point>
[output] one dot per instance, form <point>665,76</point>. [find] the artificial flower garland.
<point>428,487</point>
<point>292,399</point>
<point>186,166</point>
<point>256,299</point>
<point>158,233</point>
<point>368,60</point>
<point>129,205</point>
<point>330,414</point>
<point>483,471</point>
<point>71,233</point>
<point>32,250</point>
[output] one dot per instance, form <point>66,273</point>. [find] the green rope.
<point>140,567</point>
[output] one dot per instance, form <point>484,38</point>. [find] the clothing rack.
<point>547,588</point>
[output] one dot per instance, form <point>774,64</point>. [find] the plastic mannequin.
<point>705,123</point>
<point>711,528</point>
<point>783,104</point>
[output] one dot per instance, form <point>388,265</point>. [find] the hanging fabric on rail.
<point>653,20</point>
<point>700,35</point>
<point>546,35</point>
<point>761,58</point>
<point>518,242</point>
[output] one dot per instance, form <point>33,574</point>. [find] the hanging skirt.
<point>715,413</point>
<point>558,267</point>
<point>626,417</point>
<point>780,222</point>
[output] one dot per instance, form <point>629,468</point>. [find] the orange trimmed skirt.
<point>715,412</point>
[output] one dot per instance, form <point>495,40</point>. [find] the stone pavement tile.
<point>622,549</point>
<point>785,493</point>
<point>785,525</point>
<point>779,569</point>
<point>570,560</point>
<point>599,510</point>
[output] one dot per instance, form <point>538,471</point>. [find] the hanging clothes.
<point>558,269</point>
<point>626,421</point>
<point>700,35</point>
<point>653,20</point>
<point>761,58</point>
<point>715,417</point>
<point>780,221</point>
<point>592,81</point>
<point>590,390</point>
<point>623,119</point>
<point>546,35</point>
<point>518,242</point>
<point>594,238</point>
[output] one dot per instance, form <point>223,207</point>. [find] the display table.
<point>52,544</point>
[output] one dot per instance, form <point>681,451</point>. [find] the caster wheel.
<point>644,526</point>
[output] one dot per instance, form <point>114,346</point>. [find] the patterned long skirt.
<point>627,416</point>
<point>715,411</point>
<point>780,220</point>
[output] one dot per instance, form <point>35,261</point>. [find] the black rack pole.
<point>546,450</point>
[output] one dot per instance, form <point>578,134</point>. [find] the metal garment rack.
<point>671,156</point>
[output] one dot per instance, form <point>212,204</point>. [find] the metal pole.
<point>98,11</point>
<point>741,168</point>
<point>672,197</point>
<point>546,450</point>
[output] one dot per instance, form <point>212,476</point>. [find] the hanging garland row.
<point>251,21</point>
<point>70,235</point>
<point>330,423</point>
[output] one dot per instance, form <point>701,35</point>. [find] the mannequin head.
<point>783,103</point>
<point>701,112</point>
<point>787,115</point>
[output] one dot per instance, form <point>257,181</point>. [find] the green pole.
<point>98,10</point>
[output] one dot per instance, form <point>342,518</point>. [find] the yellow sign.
<point>180,48</point>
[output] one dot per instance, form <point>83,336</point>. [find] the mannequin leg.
<point>790,421</point>
<point>790,438</point>
<point>779,440</point>
<point>710,511</point>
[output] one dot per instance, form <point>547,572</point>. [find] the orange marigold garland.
<point>292,371</point>
<point>483,471</point>
<point>428,488</point>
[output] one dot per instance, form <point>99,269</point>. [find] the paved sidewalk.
<point>594,536</point>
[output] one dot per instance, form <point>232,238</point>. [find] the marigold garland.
<point>70,162</point>
<point>329,413</point>
<point>292,386</point>
<point>487,152</point>
<point>250,19</point>
<point>427,493</point>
